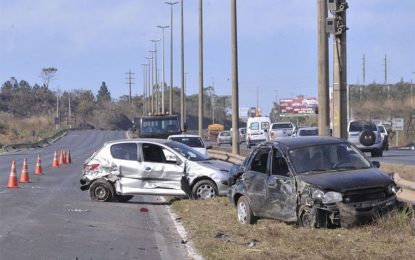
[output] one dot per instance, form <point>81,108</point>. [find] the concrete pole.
<point>151,92</point>
<point>157,103</point>
<point>323,71</point>
<point>200,120</point>
<point>171,57</point>
<point>340,83</point>
<point>182,100</point>
<point>162,70</point>
<point>235,94</point>
<point>144,88</point>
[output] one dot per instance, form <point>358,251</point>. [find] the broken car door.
<point>281,196</point>
<point>161,169</point>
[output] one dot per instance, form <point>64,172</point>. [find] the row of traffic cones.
<point>65,158</point>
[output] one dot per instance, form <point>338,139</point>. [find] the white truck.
<point>257,130</point>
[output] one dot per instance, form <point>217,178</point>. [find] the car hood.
<point>216,165</point>
<point>342,181</point>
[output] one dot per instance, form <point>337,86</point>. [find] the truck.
<point>157,126</point>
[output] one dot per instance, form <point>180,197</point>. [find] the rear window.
<point>281,126</point>
<point>360,126</point>
<point>254,126</point>
<point>225,134</point>
<point>190,141</point>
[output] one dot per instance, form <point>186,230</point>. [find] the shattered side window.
<point>259,163</point>
<point>124,151</point>
<point>279,164</point>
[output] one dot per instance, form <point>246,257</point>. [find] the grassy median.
<point>212,226</point>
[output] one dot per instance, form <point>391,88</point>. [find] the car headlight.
<point>332,197</point>
<point>327,198</point>
<point>393,189</point>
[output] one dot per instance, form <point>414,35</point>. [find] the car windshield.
<point>190,141</point>
<point>281,126</point>
<point>327,158</point>
<point>307,132</point>
<point>187,151</point>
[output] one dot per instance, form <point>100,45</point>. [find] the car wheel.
<point>307,218</point>
<point>101,190</point>
<point>245,214</point>
<point>204,189</point>
<point>367,138</point>
<point>123,198</point>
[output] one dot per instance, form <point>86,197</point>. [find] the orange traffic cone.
<point>61,158</point>
<point>68,157</point>
<point>38,169</point>
<point>55,163</point>
<point>24,177</point>
<point>13,177</point>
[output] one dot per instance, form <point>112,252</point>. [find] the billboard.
<point>298,106</point>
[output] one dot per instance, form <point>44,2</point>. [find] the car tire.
<point>204,189</point>
<point>123,198</point>
<point>245,214</point>
<point>306,217</point>
<point>101,190</point>
<point>367,138</point>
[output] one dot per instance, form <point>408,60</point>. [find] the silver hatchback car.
<point>124,168</point>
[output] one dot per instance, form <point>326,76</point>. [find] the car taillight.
<point>91,167</point>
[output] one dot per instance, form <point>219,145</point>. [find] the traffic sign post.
<point>397,125</point>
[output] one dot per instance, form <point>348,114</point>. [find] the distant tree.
<point>103,94</point>
<point>48,74</point>
<point>86,105</point>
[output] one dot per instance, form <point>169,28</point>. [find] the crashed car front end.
<point>347,208</point>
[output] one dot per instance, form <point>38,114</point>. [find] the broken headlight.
<point>328,197</point>
<point>393,188</point>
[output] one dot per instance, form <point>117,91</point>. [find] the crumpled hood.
<point>342,181</point>
<point>216,165</point>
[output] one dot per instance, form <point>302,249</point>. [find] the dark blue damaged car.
<point>313,181</point>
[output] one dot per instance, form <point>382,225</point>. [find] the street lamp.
<point>171,56</point>
<point>162,73</point>
<point>151,83</point>
<point>182,70</point>
<point>144,88</point>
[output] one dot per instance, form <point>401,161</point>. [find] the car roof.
<point>138,140</point>
<point>185,135</point>
<point>296,142</point>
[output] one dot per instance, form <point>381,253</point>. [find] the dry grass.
<point>405,171</point>
<point>388,239</point>
<point>20,130</point>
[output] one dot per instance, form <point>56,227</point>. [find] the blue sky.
<point>91,41</point>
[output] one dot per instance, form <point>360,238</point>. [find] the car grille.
<point>365,195</point>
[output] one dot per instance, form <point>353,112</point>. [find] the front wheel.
<point>204,189</point>
<point>101,190</point>
<point>245,214</point>
<point>307,217</point>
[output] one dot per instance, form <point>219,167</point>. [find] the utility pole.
<point>257,101</point>
<point>171,57</point>
<point>152,82</point>
<point>386,69</point>
<point>182,100</point>
<point>364,69</point>
<point>234,76</point>
<point>212,96</point>
<point>200,120</point>
<point>339,69</point>
<point>144,88</point>
<point>129,83</point>
<point>149,86</point>
<point>162,71</point>
<point>157,109</point>
<point>69,111</point>
<point>58,119</point>
<point>323,71</point>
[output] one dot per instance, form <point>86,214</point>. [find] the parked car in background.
<point>124,168</point>
<point>224,137</point>
<point>281,129</point>
<point>316,181</point>
<point>242,134</point>
<point>366,136</point>
<point>384,136</point>
<point>305,131</point>
<point>257,130</point>
<point>194,141</point>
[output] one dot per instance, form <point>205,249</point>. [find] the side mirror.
<point>376,164</point>
<point>209,147</point>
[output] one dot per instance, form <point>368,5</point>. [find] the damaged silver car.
<point>124,168</point>
<point>313,181</point>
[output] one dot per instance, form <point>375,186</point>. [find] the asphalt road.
<point>50,218</point>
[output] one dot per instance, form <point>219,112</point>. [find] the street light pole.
<point>144,88</point>
<point>162,71</point>
<point>200,123</point>
<point>151,87</point>
<point>148,85</point>
<point>182,71</point>
<point>234,76</point>
<point>171,56</point>
<point>156,85</point>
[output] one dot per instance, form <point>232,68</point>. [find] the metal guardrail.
<point>225,156</point>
